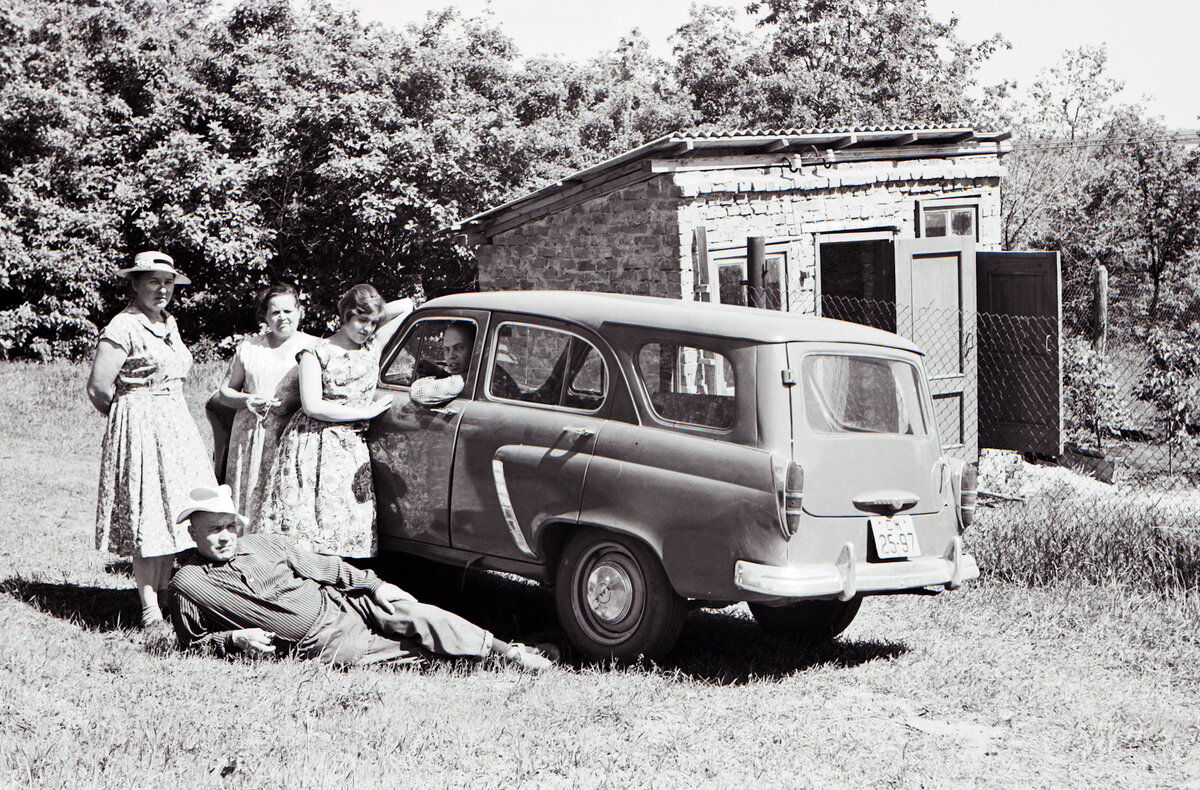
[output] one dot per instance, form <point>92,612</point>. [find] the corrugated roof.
<point>684,144</point>
<point>595,310</point>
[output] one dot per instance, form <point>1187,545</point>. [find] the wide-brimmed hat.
<point>207,499</point>
<point>153,261</point>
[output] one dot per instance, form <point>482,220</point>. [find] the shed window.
<point>939,219</point>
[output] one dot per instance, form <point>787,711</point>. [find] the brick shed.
<point>885,226</point>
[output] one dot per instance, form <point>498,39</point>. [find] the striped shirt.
<point>269,584</point>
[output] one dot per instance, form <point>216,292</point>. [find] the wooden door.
<point>935,308</point>
<point>1020,351</point>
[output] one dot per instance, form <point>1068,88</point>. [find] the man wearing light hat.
<point>258,593</point>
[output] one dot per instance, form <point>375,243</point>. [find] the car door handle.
<point>579,432</point>
<point>446,411</point>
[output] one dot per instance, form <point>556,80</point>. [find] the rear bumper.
<point>847,578</point>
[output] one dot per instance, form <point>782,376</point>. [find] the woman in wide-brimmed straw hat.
<point>153,455</point>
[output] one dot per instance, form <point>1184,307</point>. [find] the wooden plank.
<point>856,155</point>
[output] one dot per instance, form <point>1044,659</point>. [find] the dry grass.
<point>1069,528</point>
<point>994,686</point>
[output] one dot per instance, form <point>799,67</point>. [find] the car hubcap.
<point>609,593</point>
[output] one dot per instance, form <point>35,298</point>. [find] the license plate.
<point>894,537</point>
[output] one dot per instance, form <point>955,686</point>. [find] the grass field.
<point>996,685</point>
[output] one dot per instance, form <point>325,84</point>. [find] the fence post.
<point>1100,314</point>
<point>756,262</point>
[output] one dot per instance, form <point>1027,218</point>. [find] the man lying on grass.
<point>257,593</point>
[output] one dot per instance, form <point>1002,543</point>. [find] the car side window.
<point>537,364</point>
<point>688,384</point>
<point>436,347</point>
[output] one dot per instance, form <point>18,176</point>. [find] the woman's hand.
<point>380,405</point>
<point>260,406</point>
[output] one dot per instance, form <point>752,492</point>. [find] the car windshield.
<point>852,394</point>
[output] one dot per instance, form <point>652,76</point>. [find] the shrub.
<point>1091,404</point>
<point>1169,382</point>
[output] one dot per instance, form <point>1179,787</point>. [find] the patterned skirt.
<point>252,446</point>
<point>320,492</point>
<point>151,460</point>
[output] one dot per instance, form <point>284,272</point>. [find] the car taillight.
<point>793,498</point>
<point>968,493</point>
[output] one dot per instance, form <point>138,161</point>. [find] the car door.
<point>525,443</point>
<point>412,446</point>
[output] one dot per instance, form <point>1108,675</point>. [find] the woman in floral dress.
<point>320,493</point>
<point>263,386</point>
<point>152,455</point>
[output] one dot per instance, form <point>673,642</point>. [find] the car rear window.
<point>853,394</point>
<point>688,384</point>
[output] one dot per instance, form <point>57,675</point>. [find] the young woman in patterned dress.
<point>320,492</point>
<point>263,387</point>
<point>152,455</point>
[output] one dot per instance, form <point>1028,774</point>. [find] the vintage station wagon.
<point>636,453</point>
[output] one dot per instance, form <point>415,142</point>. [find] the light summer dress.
<point>320,494</point>
<point>152,455</point>
<point>253,440</point>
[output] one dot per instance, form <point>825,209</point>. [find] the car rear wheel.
<point>812,621</point>
<point>614,599</point>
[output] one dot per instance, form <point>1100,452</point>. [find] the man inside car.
<point>440,384</point>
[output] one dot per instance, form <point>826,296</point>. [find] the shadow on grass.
<point>119,568</point>
<point>92,608</point>
<point>715,646</point>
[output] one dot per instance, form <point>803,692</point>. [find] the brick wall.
<point>626,242</point>
<point>639,239</point>
<point>788,207</point>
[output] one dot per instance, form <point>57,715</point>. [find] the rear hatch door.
<point>863,429</point>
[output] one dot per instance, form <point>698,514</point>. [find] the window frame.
<point>948,203</point>
<point>635,358</point>
<point>924,396</point>
<point>398,347</point>
<point>490,360</point>
<point>738,255</point>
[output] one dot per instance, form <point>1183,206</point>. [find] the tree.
<point>865,62</point>
<point>717,64</point>
<point>1066,107</point>
<point>1147,201</point>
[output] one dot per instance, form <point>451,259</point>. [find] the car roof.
<point>598,310</point>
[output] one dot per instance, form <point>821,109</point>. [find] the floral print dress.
<point>253,439</point>
<point>152,455</point>
<point>320,492</point>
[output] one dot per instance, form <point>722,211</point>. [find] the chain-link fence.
<point>1080,434</point>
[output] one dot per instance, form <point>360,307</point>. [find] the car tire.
<point>811,621</point>
<point>614,600</point>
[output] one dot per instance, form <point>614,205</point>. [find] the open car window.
<point>422,353</point>
<point>689,385</point>
<point>536,364</point>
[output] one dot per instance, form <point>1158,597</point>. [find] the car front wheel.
<point>614,599</point>
<point>812,621</point>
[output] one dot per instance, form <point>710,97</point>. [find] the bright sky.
<point>1151,43</point>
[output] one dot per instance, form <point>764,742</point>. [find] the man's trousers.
<point>354,629</point>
